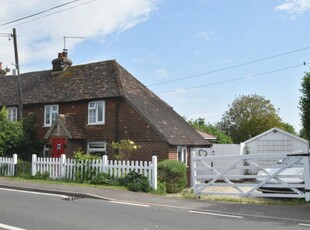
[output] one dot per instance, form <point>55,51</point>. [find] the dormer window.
<point>50,114</point>
<point>12,113</point>
<point>96,112</point>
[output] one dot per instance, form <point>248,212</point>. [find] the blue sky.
<point>216,47</point>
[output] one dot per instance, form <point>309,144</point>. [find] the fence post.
<point>33,165</point>
<point>307,177</point>
<point>62,166</point>
<point>14,164</point>
<point>104,164</point>
<point>154,172</point>
<point>193,172</point>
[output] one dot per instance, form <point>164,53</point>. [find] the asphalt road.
<point>32,211</point>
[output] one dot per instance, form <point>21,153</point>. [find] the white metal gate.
<point>249,175</point>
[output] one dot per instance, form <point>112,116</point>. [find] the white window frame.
<point>93,149</point>
<point>46,149</point>
<point>12,113</point>
<point>94,116</point>
<point>50,114</point>
<point>182,154</point>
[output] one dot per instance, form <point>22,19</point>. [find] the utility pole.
<point>20,93</point>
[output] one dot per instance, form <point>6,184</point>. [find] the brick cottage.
<point>89,106</point>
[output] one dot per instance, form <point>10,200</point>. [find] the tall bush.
<point>10,134</point>
<point>173,174</point>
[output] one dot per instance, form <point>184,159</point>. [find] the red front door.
<point>58,146</point>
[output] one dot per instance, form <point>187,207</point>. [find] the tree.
<point>304,103</point>
<point>249,116</point>
<point>201,125</point>
<point>30,138</point>
<point>288,128</point>
<point>10,134</point>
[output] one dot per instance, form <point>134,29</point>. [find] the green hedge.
<point>173,175</point>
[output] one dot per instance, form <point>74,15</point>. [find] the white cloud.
<point>294,8</point>
<point>206,35</point>
<point>92,19</point>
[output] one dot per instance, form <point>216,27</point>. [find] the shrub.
<point>84,173</point>
<point>23,169</point>
<point>102,179</point>
<point>136,182</point>
<point>172,174</point>
<point>41,176</point>
<point>3,169</point>
<point>161,188</point>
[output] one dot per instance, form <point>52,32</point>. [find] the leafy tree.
<point>10,134</point>
<point>288,128</point>
<point>302,134</point>
<point>304,103</point>
<point>249,116</point>
<point>201,125</point>
<point>29,138</point>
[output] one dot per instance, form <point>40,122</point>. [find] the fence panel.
<point>238,179</point>
<point>8,165</point>
<point>73,169</point>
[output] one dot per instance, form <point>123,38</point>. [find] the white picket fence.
<point>7,165</point>
<point>63,168</point>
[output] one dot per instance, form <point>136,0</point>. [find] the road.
<point>35,211</point>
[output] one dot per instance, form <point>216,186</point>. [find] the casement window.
<point>12,113</point>
<point>46,150</point>
<point>96,112</point>
<point>182,154</point>
<point>97,148</point>
<point>50,114</point>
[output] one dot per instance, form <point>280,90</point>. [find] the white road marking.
<point>128,203</point>
<point>10,227</point>
<point>305,225</point>
<point>37,193</point>
<point>215,214</point>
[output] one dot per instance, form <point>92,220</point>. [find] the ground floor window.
<point>182,154</point>
<point>12,113</point>
<point>46,150</point>
<point>97,148</point>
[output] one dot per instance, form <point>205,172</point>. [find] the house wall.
<point>121,122</point>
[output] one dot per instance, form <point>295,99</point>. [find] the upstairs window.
<point>12,113</point>
<point>50,114</point>
<point>182,154</point>
<point>96,110</point>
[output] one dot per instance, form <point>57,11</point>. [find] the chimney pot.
<point>62,61</point>
<point>2,71</point>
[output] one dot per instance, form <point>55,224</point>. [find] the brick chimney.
<point>2,71</point>
<point>62,61</point>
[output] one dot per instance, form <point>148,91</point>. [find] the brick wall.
<point>121,122</point>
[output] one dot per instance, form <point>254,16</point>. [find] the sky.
<point>196,55</point>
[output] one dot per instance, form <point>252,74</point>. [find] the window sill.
<point>95,124</point>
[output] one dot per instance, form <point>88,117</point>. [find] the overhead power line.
<point>229,67</point>
<point>41,12</point>
<point>47,15</point>
<point>235,79</point>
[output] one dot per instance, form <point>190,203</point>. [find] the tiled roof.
<point>96,81</point>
